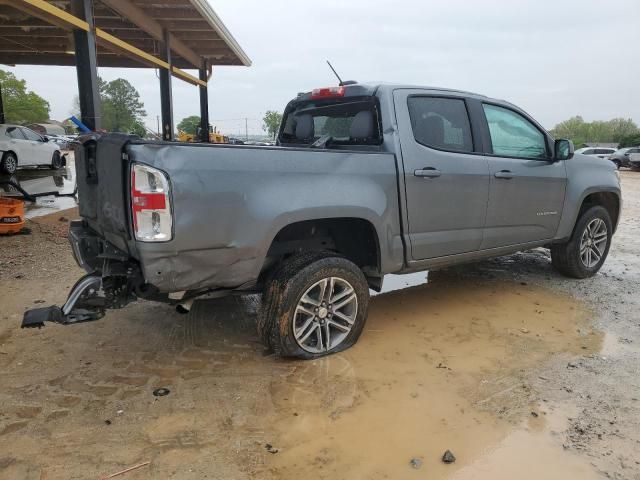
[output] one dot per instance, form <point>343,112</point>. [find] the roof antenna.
<point>341,83</point>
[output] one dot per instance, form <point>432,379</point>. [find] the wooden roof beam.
<point>57,16</point>
<point>153,28</point>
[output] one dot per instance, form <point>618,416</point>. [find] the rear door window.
<point>15,133</point>
<point>441,123</point>
<point>512,135</point>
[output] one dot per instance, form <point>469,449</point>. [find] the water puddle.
<point>440,366</point>
<point>451,364</point>
<point>42,180</point>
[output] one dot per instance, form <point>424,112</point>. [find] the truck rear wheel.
<point>315,304</point>
<point>585,252</point>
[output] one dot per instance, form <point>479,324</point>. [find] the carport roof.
<point>37,32</point>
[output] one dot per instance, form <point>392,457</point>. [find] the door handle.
<point>505,174</point>
<point>428,172</point>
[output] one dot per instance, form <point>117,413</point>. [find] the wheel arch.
<point>608,199</point>
<point>576,203</point>
<point>355,238</point>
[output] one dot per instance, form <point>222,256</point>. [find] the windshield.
<point>346,121</point>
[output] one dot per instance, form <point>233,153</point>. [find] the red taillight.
<point>327,92</point>
<point>150,204</point>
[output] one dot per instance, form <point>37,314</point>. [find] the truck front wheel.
<point>585,252</point>
<point>314,305</point>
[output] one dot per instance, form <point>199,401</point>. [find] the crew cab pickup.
<point>365,180</point>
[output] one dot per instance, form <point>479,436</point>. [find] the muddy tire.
<point>587,249</point>
<point>314,304</point>
<point>9,163</point>
<point>56,161</point>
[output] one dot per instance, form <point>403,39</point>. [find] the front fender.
<point>586,175</point>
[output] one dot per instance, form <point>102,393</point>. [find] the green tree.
<point>581,132</point>
<point>630,141</point>
<point>20,105</point>
<point>122,109</point>
<point>271,122</point>
<point>190,124</point>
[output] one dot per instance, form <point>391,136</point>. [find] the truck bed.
<point>229,202</point>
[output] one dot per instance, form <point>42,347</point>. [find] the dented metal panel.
<point>230,202</point>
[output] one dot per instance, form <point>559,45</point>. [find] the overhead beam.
<point>64,59</point>
<point>63,19</point>
<point>105,59</point>
<point>152,27</point>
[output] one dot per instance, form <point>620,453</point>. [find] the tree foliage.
<point>122,109</point>
<point>630,141</point>
<point>190,124</point>
<point>271,122</point>
<point>20,105</point>
<point>580,132</point>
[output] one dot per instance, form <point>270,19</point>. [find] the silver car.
<point>600,152</point>
<point>622,156</point>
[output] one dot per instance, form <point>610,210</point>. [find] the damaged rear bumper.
<point>84,304</point>
<point>113,280</point>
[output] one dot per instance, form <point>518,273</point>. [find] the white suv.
<point>600,152</point>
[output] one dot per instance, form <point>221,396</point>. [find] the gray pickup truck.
<point>365,180</point>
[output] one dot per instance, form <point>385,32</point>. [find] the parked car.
<point>621,157</point>
<point>634,160</point>
<point>21,146</point>
<point>65,142</point>
<point>366,180</point>
<point>598,152</point>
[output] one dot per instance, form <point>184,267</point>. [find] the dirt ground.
<point>519,372</point>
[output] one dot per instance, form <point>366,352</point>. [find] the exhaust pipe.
<point>184,307</point>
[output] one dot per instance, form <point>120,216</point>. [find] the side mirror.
<point>563,149</point>
<point>44,139</point>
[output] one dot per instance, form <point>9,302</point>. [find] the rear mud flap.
<point>86,302</point>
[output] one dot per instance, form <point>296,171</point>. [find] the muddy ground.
<point>519,372</point>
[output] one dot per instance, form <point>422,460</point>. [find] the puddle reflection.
<point>39,180</point>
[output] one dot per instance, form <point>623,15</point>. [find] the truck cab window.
<point>512,135</point>
<point>346,122</point>
<point>441,123</point>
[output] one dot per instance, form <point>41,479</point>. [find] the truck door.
<point>527,188</point>
<point>445,173</point>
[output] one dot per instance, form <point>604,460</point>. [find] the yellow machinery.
<point>214,136</point>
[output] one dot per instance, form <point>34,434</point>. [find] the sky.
<point>555,59</point>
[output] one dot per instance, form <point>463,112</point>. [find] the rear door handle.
<point>428,172</point>
<point>505,174</point>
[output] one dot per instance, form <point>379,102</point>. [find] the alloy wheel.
<point>10,163</point>
<point>325,315</point>
<point>593,242</point>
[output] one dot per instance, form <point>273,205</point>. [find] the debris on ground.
<point>415,463</point>
<point>126,470</point>
<point>448,457</point>
<point>270,448</point>
<point>161,392</point>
